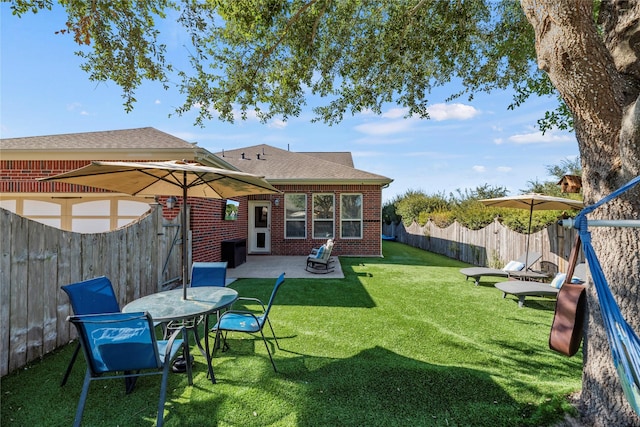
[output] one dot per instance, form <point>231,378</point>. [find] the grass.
<point>402,340</point>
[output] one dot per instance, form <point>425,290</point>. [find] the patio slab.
<point>271,266</point>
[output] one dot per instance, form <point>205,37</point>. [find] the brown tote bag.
<point>568,319</point>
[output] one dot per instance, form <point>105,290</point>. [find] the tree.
<point>268,55</point>
<point>566,167</point>
<point>484,191</point>
<point>551,188</point>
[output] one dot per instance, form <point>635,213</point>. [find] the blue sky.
<point>464,144</point>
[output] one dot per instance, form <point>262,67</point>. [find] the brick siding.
<point>207,215</point>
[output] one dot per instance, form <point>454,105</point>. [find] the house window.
<point>295,219</point>
<point>323,216</point>
<point>351,216</point>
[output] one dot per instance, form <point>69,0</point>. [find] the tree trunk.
<point>597,78</point>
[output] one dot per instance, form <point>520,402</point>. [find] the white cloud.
<point>395,121</point>
<point>277,124</point>
<point>440,112</point>
<point>157,102</point>
<point>385,128</point>
<point>479,169</point>
<point>540,138</point>
<point>504,168</point>
<point>498,141</point>
<point>381,140</point>
<point>395,113</point>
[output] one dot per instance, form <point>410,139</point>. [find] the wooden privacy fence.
<point>492,246</point>
<point>37,260</point>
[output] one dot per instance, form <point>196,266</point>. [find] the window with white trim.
<point>351,216</point>
<point>295,216</point>
<point>323,215</point>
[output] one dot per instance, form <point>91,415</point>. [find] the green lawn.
<point>401,341</point>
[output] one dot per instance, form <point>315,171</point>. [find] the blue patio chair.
<point>93,296</point>
<point>202,274</point>
<point>208,274</point>
<point>248,322</point>
<point>123,342</point>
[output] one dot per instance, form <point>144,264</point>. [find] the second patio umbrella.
<point>533,202</point>
<point>170,178</point>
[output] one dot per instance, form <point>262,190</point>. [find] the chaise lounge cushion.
<point>559,280</point>
<point>513,266</point>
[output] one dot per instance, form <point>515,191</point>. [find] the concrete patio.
<point>270,267</point>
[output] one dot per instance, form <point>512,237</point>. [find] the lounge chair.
<point>518,269</point>
<point>319,262</point>
<point>523,288</point>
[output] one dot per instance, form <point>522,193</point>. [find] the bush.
<point>467,210</point>
<point>474,215</point>
<point>389,214</point>
<point>443,219</point>
<point>413,203</point>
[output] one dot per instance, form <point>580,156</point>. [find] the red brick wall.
<point>369,245</point>
<point>207,215</point>
<point>20,176</point>
<point>209,228</point>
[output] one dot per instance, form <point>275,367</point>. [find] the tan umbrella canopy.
<point>533,202</point>
<point>170,178</point>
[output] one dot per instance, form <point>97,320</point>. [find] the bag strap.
<point>568,319</point>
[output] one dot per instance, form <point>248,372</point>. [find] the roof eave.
<point>314,181</point>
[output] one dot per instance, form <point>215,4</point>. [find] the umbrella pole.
<point>185,257</point>
<point>526,259</point>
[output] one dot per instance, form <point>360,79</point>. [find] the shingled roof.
<point>147,138</point>
<point>286,167</point>
<point>137,143</point>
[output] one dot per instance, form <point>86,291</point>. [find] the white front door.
<point>259,226</point>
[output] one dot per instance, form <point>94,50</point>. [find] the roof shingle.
<point>140,138</point>
<point>278,165</point>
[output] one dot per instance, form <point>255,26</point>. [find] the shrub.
<point>474,215</point>
<point>443,219</point>
<point>413,203</point>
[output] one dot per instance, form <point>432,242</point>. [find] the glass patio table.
<point>169,306</point>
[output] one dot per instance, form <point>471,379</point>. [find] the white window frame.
<point>332,220</point>
<point>286,220</point>
<point>343,219</point>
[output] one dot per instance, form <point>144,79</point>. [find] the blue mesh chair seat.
<point>123,342</point>
<point>92,296</point>
<point>248,322</point>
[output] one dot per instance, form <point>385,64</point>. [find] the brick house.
<point>323,195</point>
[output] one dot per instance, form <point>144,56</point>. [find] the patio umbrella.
<point>170,178</point>
<point>533,202</point>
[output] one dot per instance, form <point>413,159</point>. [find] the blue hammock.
<point>625,344</point>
